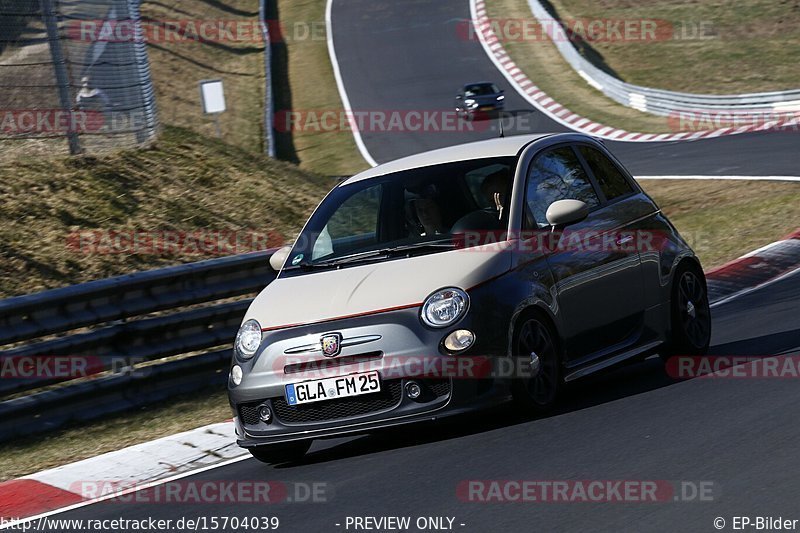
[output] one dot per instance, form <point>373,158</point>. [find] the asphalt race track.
<point>633,423</point>
<point>413,55</point>
<point>738,436</point>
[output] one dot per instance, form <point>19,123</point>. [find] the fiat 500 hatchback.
<point>457,279</point>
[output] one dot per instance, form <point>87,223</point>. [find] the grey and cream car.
<point>457,279</point>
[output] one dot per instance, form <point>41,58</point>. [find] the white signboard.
<point>213,96</point>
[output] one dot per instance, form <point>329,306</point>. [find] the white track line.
<point>749,290</point>
<point>493,48</point>
<point>734,178</point>
<point>131,490</point>
<point>342,92</point>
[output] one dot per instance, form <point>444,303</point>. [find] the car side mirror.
<point>277,259</point>
<point>565,212</point>
<point>459,97</point>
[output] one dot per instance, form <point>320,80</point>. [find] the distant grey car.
<point>480,99</point>
<point>457,279</point>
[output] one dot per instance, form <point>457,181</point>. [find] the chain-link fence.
<point>74,75</point>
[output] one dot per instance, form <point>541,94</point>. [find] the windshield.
<point>480,89</point>
<point>418,210</point>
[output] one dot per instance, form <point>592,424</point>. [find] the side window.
<point>353,226</point>
<point>611,180</point>
<point>556,175</point>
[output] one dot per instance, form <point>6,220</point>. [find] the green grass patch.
<point>717,46</point>
<point>306,83</point>
<point>723,220</point>
<point>178,67</point>
<point>542,63</point>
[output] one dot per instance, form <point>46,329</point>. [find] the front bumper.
<point>401,350</point>
<point>482,108</point>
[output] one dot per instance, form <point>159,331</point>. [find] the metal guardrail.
<point>90,400</point>
<point>657,101</point>
<point>121,297</point>
<point>115,323</point>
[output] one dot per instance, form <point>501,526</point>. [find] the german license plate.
<point>331,388</point>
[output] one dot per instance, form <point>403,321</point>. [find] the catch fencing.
<point>59,81</point>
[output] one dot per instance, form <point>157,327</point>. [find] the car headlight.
<point>248,339</point>
<point>444,307</point>
<point>501,97</point>
<point>470,102</point>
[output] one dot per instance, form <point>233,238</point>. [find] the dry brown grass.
<point>724,220</point>
<point>186,183</point>
<point>747,46</point>
<point>178,67</point>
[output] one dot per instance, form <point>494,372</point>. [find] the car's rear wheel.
<point>538,355</point>
<point>288,452</point>
<point>690,314</point>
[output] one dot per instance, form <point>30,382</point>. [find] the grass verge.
<point>187,183</point>
<point>541,62</point>
<point>305,82</point>
<point>724,220</point>
<point>20,458</point>
<point>177,68</point>
<point>715,46</point>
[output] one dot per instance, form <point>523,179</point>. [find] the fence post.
<point>60,66</point>
<point>269,135</point>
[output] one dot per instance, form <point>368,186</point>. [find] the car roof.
<point>500,147</point>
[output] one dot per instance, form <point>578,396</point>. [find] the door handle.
<point>624,240</point>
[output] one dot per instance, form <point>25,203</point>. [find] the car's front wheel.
<point>536,350</point>
<point>691,313</point>
<point>288,452</point>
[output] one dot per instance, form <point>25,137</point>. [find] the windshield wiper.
<point>381,252</point>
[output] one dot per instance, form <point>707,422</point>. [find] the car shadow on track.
<point>775,343</point>
<point>628,379</point>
